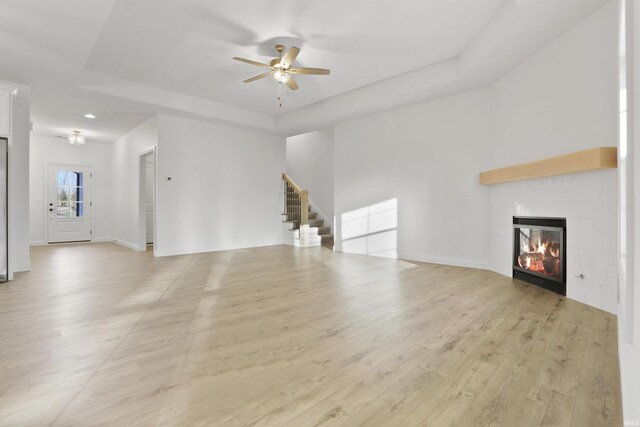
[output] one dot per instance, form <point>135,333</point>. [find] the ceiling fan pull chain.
<point>279,85</point>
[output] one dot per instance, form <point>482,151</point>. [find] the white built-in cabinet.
<point>6,93</point>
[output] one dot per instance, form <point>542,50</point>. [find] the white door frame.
<point>142,199</point>
<point>45,205</point>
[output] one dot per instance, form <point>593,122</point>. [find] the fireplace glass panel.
<point>539,255</point>
<point>540,251</point>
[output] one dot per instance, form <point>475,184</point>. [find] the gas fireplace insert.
<point>539,252</point>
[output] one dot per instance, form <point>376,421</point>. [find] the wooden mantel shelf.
<point>580,161</point>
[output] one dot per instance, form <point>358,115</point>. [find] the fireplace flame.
<point>541,256</point>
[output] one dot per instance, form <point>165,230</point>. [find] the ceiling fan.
<point>280,67</point>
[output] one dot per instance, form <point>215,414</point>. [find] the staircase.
<point>307,228</point>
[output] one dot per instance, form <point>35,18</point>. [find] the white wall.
<point>224,191</point>
<point>56,150</point>
<point>561,100</point>
<point>126,179</point>
<point>310,165</point>
<point>225,188</point>
<point>426,157</point>
<point>629,179</point>
<point>18,193</point>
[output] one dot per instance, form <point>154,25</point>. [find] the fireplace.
<point>539,252</point>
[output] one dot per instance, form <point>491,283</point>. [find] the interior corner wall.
<point>310,166</point>
<point>125,181</point>
<point>225,190</point>
<point>424,160</point>
<point>19,182</point>
<point>427,158</point>
<point>45,150</point>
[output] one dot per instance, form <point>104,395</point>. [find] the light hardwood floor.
<point>282,336</point>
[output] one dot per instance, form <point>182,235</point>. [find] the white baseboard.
<point>126,244</point>
<point>456,262</point>
<point>102,239</point>
<point>207,250</point>
<point>95,240</point>
<point>22,268</point>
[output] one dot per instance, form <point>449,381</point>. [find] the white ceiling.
<point>124,60</point>
<point>187,46</point>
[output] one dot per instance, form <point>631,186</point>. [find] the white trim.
<point>128,245</point>
<point>203,251</point>
<point>456,262</point>
<point>22,268</point>
<point>96,240</point>
<point>149,150</point>
<point>45,199</point>
<point>102,240</point>
<point>142,208</point>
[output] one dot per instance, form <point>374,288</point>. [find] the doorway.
<point>149,184</point>
<point>69,203</point>
<point>147,205</point>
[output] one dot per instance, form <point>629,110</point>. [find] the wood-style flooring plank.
<point>97,334</point>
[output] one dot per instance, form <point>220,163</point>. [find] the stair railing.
<point>296,204</point>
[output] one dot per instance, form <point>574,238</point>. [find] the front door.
<point>69,203</point>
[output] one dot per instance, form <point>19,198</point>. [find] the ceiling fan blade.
<point>289,56</point>
<point>258,77</point>
<point>316,71</point>
<point>248,61</point>
<point>291,83</point>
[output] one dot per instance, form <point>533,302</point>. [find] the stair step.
<point>295,207</point>
<point>313,215</point>
<point>324,231</point>
<point>316,222</point>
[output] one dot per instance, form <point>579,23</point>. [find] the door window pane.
<point>63,209</point>
<point>70,194</point>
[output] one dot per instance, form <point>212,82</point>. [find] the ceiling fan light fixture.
<point>280,76</point>
<point>281,67</point>
<point>75,138</point>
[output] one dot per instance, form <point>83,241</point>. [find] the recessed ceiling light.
<point>90,116</point>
